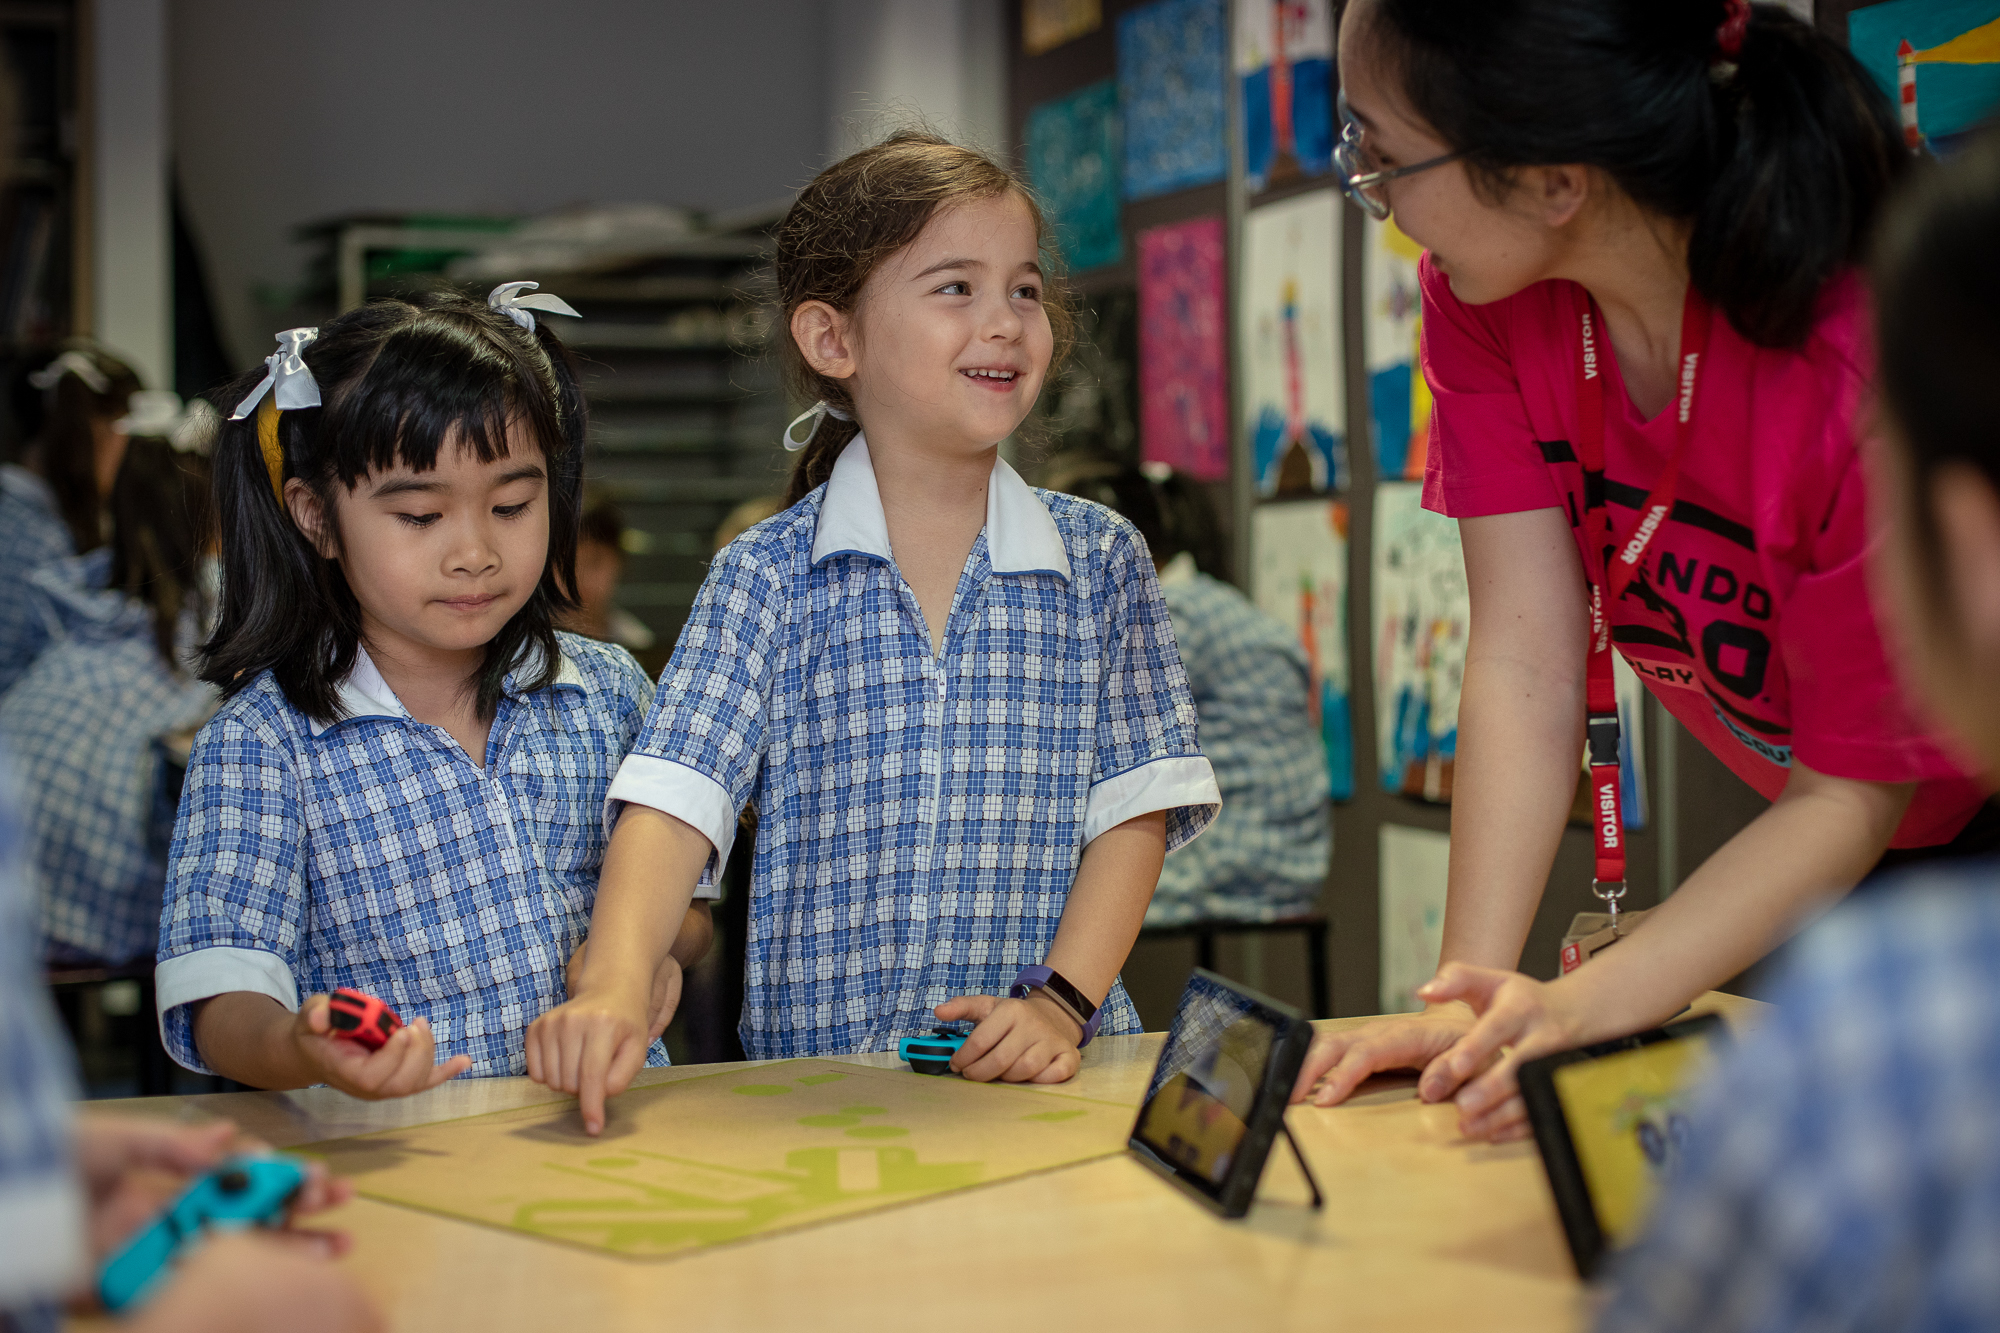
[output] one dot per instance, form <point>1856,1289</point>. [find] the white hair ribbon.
<point>819,412</point>
<point>154,412</point>
<point>507,298</point>
<point>159,414</point>
<point>71,363</point>
<point>286,377</point>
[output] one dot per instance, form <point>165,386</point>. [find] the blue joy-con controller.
<point>240,1193</point>
<point>932,1052</point>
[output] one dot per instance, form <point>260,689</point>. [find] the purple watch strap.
<point>1039,977</point>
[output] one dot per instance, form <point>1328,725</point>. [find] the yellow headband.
<point>274,453</point>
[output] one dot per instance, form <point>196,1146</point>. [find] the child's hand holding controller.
<point>1017,1041</point>
<point>405,1063</point>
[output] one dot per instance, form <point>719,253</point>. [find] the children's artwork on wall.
<point>1939,61</point>
<point>1073,163</point>
<point>1414,867</point>
<point>1284,74</point>
<point>1047,24</point>
<point>1172,76</point>
<point>1422,615</point>
<point>1300,578</point>
<point>1399,401</point>
<point>1184,348</point>
<point>1293,405</point>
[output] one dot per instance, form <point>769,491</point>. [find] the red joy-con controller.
<point>362,1018</point>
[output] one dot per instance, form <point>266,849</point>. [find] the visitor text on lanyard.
<point>1611,564</point>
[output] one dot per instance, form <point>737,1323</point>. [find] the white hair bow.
<point>507,298</point>
<point>159,414</point>
<point>71,363</point>
<point>818,412</point>
<point>286,377</point>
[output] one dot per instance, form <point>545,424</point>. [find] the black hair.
<point>1937,312</point>
<point>1780,158</point>
<point>397,380</point>
<point>162,526</point>
<point>1167,507</point>
<point>58,430</point>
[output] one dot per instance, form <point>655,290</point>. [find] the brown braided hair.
<point>857,213</point>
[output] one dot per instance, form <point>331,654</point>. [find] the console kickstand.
<point>1299,1156</point>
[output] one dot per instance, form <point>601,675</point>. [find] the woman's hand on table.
<point>1017,1041</point>
<point>1338,1062</point>
<point>1520,1019</point>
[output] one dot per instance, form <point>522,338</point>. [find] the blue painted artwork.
<point>1073,164</point>
<point>1939,61</point>
<point>1284,75</point>
<point>1173,81</point>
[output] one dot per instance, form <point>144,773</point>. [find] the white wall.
<point>131,293</point>
<point>943,62</point>
<point>288,113</point>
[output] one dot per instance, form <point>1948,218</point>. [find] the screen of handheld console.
<point>1627,1118</point>
<point>1199,1105</point>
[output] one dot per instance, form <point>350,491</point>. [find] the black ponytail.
<point>397,380</point>
<point>1780,157</point>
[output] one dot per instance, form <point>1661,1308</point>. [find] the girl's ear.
<point>825,338</point>
<point>310,518</point>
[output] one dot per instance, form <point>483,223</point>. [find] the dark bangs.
<point>399,382</point>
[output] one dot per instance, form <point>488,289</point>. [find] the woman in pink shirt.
<point>1642,218</point>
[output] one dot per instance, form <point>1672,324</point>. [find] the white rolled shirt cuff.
<point>692,797</point>
<point>1163,784</point>
<point>202,974</point>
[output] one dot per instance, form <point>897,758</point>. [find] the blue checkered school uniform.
<point>1843,1167</point>
<point>32,534</point>
<point>41,1203</point>
<point>83,726</point>
<point>1266,855</point>
<point>920,816</point>
<point>374,853</point>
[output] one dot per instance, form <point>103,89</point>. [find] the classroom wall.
<point>284,114</point>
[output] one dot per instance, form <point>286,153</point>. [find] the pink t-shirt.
<point>1751,619</point>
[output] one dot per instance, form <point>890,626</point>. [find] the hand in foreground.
<point>1017,1041</point>
<point>133,1167</point>
<point>1338,1062</point>
<point>1520,1019</point>
<point>407,1063</point>
<point>257,1283</point>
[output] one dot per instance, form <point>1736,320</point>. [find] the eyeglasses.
<point>1360,179</point>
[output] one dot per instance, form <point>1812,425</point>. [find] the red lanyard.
<point>1610,565</point>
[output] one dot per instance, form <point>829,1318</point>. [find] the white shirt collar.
<point>1021,535</point>
<point>365,694</point>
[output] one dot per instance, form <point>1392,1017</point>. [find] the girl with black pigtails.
<point>1649,350</point>
<point>403,792</point>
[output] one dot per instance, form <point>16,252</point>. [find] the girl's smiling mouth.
<point>996,378</point>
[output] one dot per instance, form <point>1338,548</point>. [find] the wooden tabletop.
<point>1422,1230</point>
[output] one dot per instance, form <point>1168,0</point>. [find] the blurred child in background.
<point>68,407</point>
<point>73,1189</point>
<point>86,721</point>
<point>1266,855</point>
<point>602,544</point>
<point>1844,1169</point>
